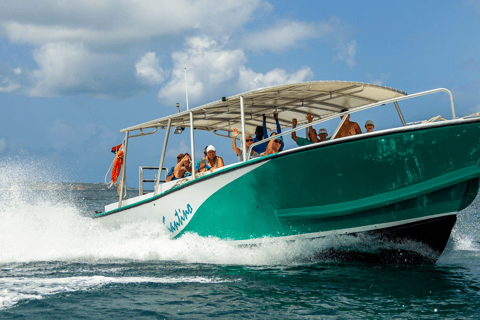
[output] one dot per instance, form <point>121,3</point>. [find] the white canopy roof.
<point>320,98</point>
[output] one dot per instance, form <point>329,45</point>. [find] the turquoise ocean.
<point>58,263</point>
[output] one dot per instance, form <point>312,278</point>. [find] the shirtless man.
<point>348,128</point>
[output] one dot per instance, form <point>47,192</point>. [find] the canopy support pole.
<point>400,114</point>
<point>244,137</point>
<point>123,180</point>
<point>192,144</point>
<point>162,158</point>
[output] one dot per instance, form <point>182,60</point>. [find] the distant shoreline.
<point>42,185</point>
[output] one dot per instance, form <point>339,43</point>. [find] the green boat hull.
<point>366,183</point>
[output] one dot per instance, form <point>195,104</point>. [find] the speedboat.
<point>401,185</point>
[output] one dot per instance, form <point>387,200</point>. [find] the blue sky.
<point>73,74</point>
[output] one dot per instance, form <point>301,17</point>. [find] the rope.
<point>434,119</point>
<point>109,184</point>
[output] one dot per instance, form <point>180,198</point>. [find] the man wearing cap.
<point>348,128</point>
<point>322,134</point>
<point>369,125</point>
<point>213,162</point>
<point>248,143</point>
<point>313,135</point>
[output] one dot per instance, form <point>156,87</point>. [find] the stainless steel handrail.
<point>368,106</point>
<point>141,180</point>
<point>141,134</point>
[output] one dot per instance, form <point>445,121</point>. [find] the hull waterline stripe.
<point>384,199</point>
<point>341,231</point>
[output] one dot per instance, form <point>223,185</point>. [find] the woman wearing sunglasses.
<point>274,146</point>
<point>248,143</point>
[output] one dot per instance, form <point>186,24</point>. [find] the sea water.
<point>58,263</point>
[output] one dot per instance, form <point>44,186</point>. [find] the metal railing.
<point>141,180</point>
<point>368,106</point>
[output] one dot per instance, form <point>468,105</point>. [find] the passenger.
<point>213,162</point>
<point>348,128</point>
<point>183,168</point>
<point>259,137</point>
<point>274,146</point>
<point>279,129</point>
<point>248,143</point>
<point>302,141</point>
<point>261,133</point>
<point>201,162</point>
<point>323,134</point>
<point>170,172</point>
<point>369,125</point>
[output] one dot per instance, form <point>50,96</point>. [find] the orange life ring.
<point>117,166</point>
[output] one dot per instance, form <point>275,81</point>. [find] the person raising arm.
<point>248,143</point>
<point>302,141</point>
<point>183,168</point>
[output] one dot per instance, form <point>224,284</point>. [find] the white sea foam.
<point>15,290</point>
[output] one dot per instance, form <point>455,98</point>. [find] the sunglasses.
<point>248,140</point>
<point>278,141</point>
<point>179,157</point>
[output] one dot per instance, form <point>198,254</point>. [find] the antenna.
<point>186,90</point>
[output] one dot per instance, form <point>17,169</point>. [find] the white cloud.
<point>380,80</point>
<point>473,4</point>
<point>347,53</point>
<point>3,145</point>
<point>286,34</point>
<point>214,70</point>
<point>61,66</point>
<point>8,86</point>
<point>208,65</point>
<point>250,80</point>
<point>148,68</point>
<point>106,22</point>
<point>65,68</point>
<point>282,36</point>
<point>89,47</point>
